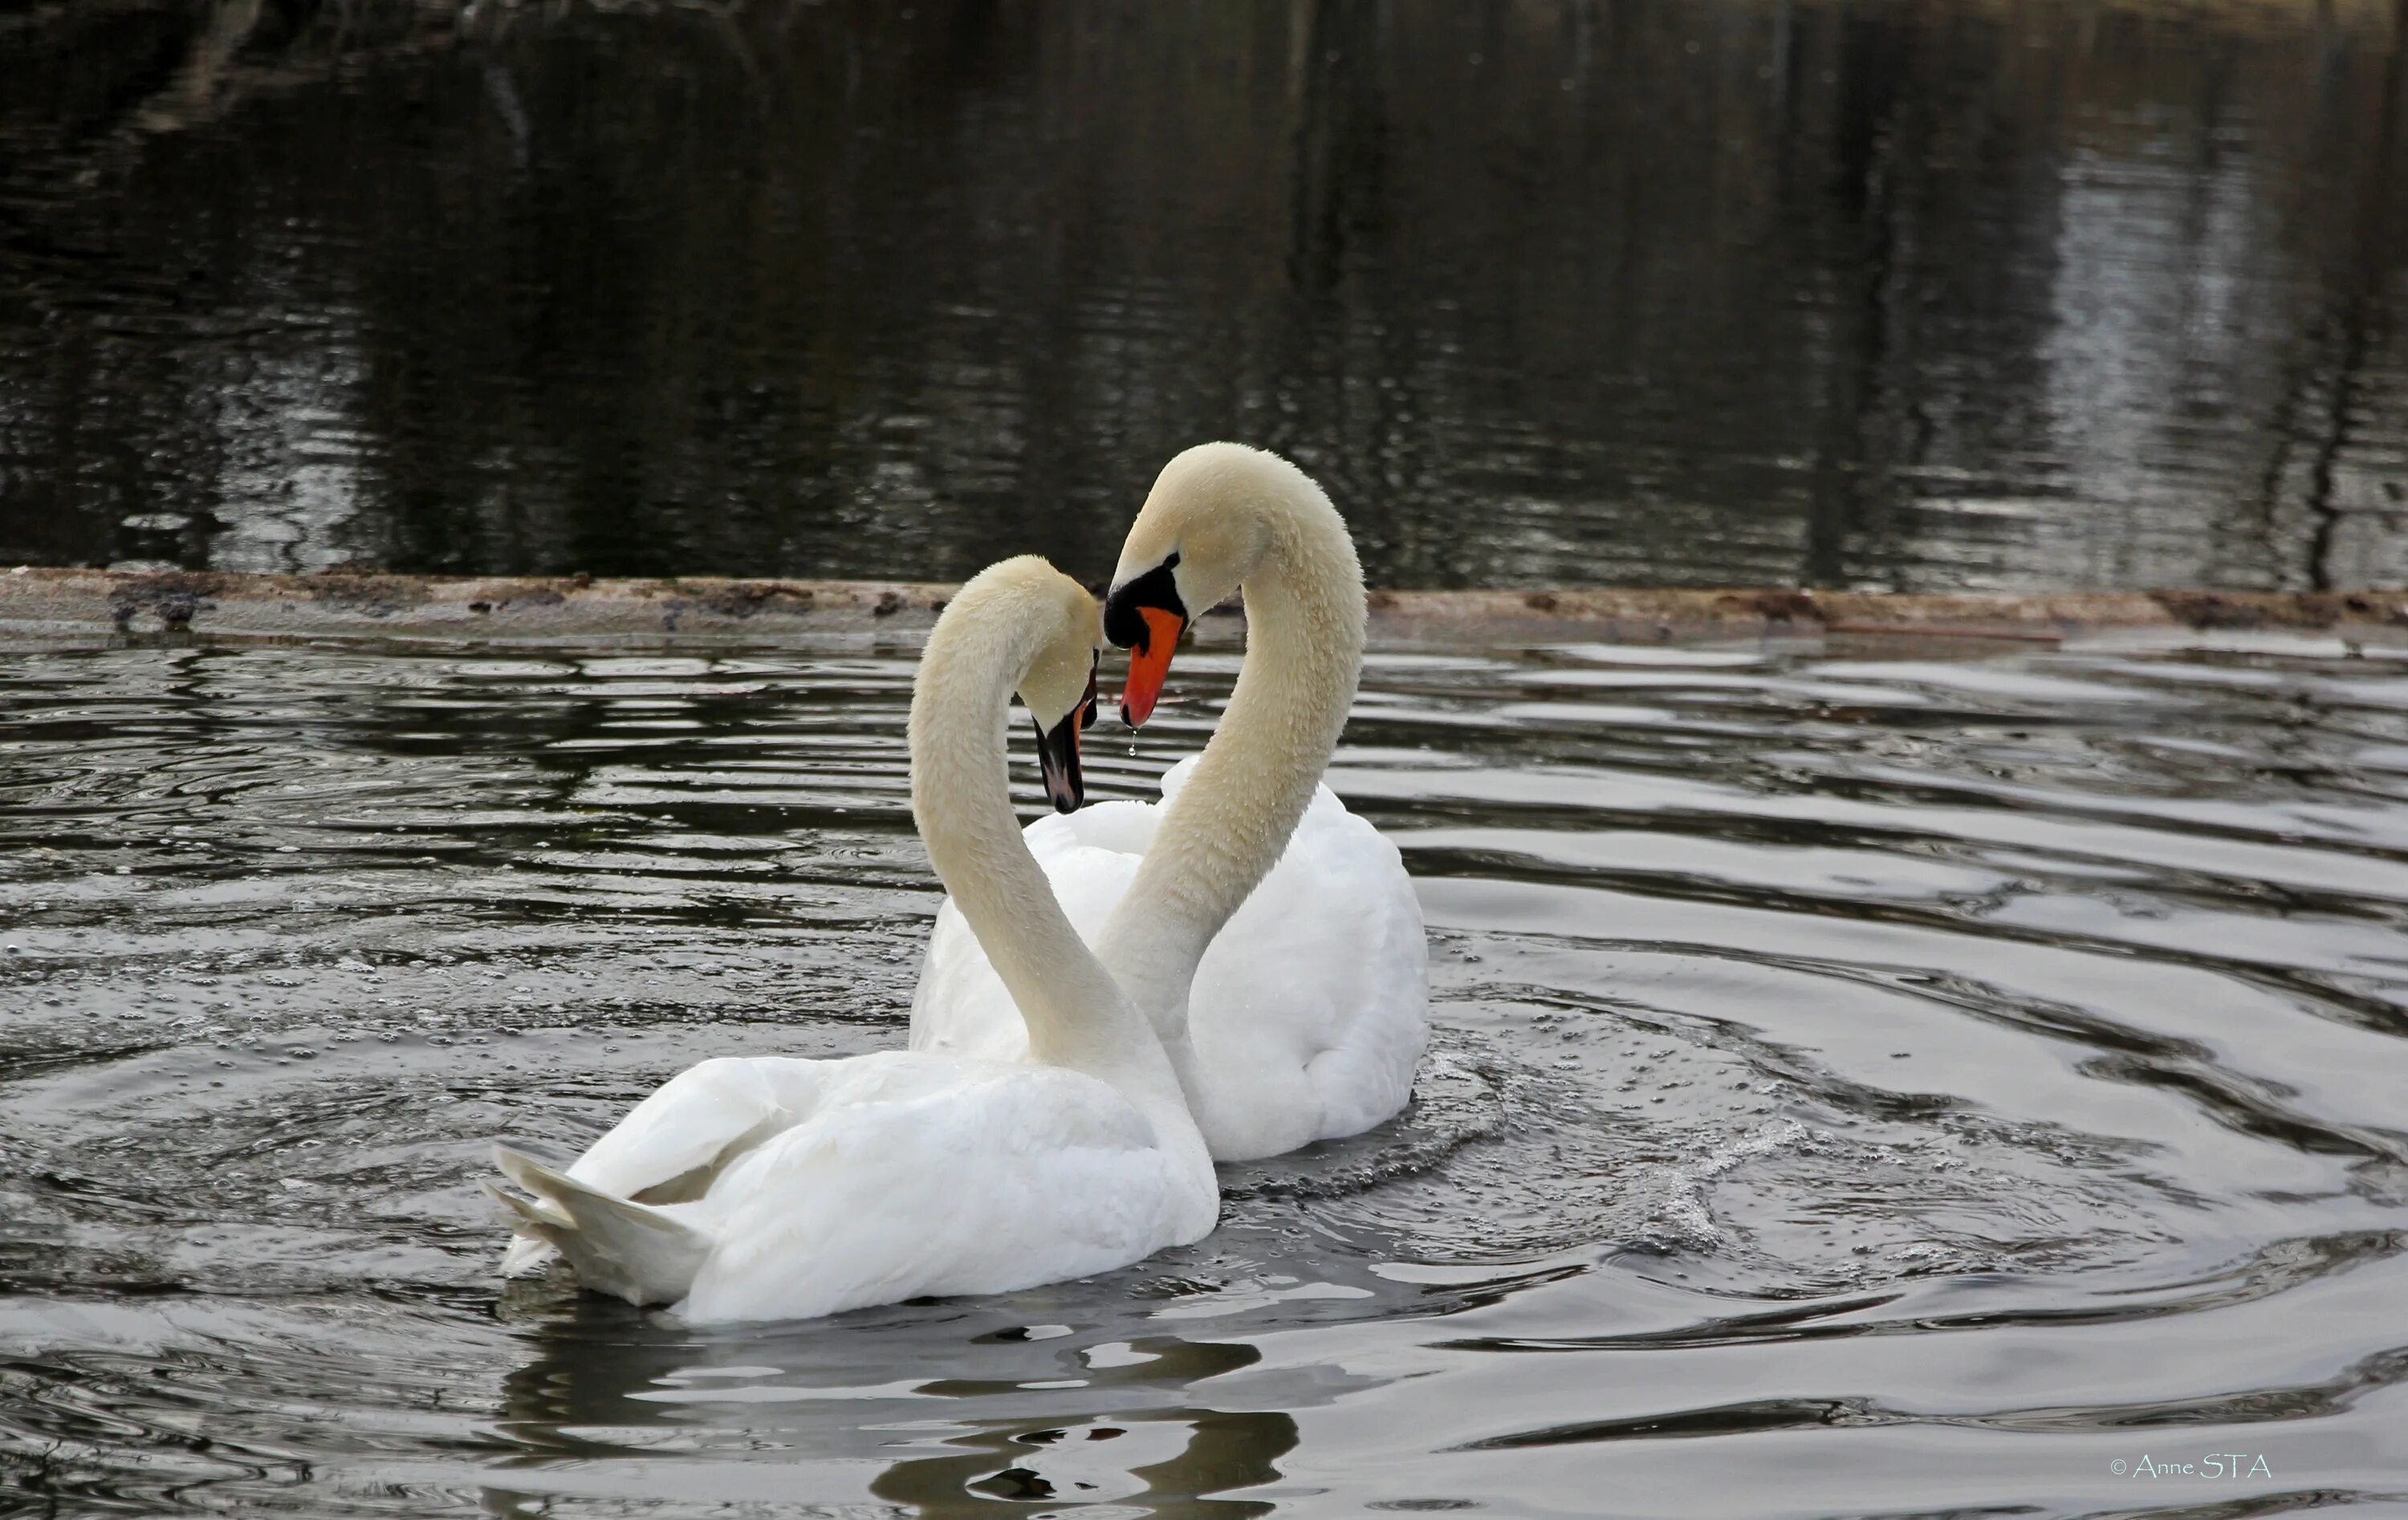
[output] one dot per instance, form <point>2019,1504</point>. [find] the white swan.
<point>1309,1009</point>
<point>777,1188</point>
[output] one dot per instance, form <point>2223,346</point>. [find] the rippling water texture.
<point>2057,293</point>
<point>1864,1082</point>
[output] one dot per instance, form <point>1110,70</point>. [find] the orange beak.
<point>1150,663</point>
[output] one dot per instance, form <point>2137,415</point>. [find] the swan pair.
<point>1257,978</point>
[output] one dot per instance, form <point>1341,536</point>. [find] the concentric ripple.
<point>1864,1081</point>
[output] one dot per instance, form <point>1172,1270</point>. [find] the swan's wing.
<point>1380,1022</point>
<point>669,1146</point>
<point>672,1145</point>
<point>926,1175</point>
<point>960,1006</point>
<point>1318,990</point>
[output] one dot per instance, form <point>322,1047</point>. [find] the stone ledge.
<point>83,602</point>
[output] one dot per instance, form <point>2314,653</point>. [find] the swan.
<point>785,1188</point>
<point>1271,935</point>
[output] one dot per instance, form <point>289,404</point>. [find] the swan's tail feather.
<point>530,1249</point>
<point>642,1253</point>
<point>528,1253</point>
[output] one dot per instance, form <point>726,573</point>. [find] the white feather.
<point>776,1187</point>
<point>866,1181</point>
<point>1309,1011</point>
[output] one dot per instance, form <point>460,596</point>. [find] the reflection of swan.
<point>945,1409</point>
<point>783,1188</point>
<point>1309,1008</point>
<point>1161,1461</point>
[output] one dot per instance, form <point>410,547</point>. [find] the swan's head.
<point>1059,687</point>
<point>1209,524</point>
<point>1026,622</point>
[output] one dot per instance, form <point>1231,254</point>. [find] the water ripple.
<point>1886,1051</point>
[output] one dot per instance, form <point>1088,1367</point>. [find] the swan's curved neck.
<point>1078,1017</point>
<point>1230,824</point>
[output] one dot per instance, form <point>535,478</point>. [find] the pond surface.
<point>1863,1082</point>
<point>1863,292</point>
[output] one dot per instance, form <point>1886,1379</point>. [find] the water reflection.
<point>618,1400</point>
<point>2095,291</point>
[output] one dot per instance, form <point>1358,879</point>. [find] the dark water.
<point>1879,293</point>
<point>1865,1084</point>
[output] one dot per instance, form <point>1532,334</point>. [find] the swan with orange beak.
<point>1222,518</point>
<point>1147,616</point>
<point>1272,936</point>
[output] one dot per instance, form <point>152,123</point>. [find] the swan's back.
<point>899,1175</point>
<point>926,1176</point>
